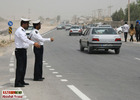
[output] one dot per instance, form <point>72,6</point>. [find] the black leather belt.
<point>20,48</point>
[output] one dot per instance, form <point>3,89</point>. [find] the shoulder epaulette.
<point>36,32</point>
<point>23,30</point>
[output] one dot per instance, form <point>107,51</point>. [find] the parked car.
<point>67,27</point>
<point>119,30</point>
<point>59,27</point>
<point>100,38</point>
<point>75,30</point>
<point>28,31</point>
<point>104,26</point>
<point>90,25</point>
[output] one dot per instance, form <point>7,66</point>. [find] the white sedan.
<point>100,38</point>
<point>119,30</point>
<point>75,29</point>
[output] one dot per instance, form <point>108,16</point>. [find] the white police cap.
<point>36,22</point>
<point>26,20</point>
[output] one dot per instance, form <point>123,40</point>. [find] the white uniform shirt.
<point>21,40</point>
<point>36,37</point>
<point>125,28</point>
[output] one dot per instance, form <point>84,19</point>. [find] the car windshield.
<point>103,31</point>
<point>75,27</point>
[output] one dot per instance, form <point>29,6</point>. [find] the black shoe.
<point>19,85</point>
<point>25,83</point>
<point>43,78</point>
<point>38,79</point>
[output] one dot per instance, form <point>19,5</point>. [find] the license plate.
<point>107,45</point>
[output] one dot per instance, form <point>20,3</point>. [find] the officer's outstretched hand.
<point>36,45</point>
<point>52,39</point>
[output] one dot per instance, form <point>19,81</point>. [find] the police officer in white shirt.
<point>36,37</point>
<point>22,43</point>
<point>125,30</point>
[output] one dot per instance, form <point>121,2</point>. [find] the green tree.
<point>134,12</point>
<point>115,16</point>
<point>121,14</point>
<point>118,15</point>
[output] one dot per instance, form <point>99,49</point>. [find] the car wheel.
<point>81,47</point>
<point>89,49</point>
<point>119,32</point>
<point>117,51</point>
<point>69,34</point>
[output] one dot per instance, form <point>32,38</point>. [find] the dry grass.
<point>4,43</point>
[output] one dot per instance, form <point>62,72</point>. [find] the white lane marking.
<point>78,92</point>
<point>58,75</point>
<point>11,65</point>
<point>51,69</point>
<point>55,72</point>
<point>64,80</point>
<point>48,66</point>
<point>12,80</point>
<point>13,53</point>
<point>137,58</point>
<point>12,70</point>
<point>32,48</point>
<point>44,61</point>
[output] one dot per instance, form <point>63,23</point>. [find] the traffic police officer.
<point>36,37</point>
<point>22,43</point>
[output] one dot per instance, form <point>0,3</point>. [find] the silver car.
<point>67,27</point>
<point>75,30</point>
<point>59,27</point>
<point>100,38</point>
<point>109,26</point>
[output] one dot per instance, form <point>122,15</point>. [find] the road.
<point>74,75</point>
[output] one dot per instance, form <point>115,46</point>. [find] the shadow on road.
<point>30,79</point>
<point>8,85</point>
<point>99,52</point>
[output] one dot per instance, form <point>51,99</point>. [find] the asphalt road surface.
<point>74,75</point>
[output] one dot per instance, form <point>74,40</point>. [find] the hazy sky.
<point>52,8</point>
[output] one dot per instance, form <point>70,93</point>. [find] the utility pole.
<point>128,12</point>
<point>104,12</point>
<point>109,10</point>
<point>99,14</point>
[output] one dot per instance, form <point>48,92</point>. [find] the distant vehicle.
<point>90,25</point>
<point>67,27</point>
<point>75,30</point>
<point>63,26</point>
<point>119,30</point>
<point>28,31</point>
<point>109,26</point>
<point>100,38</point>
<point>59,27</point>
